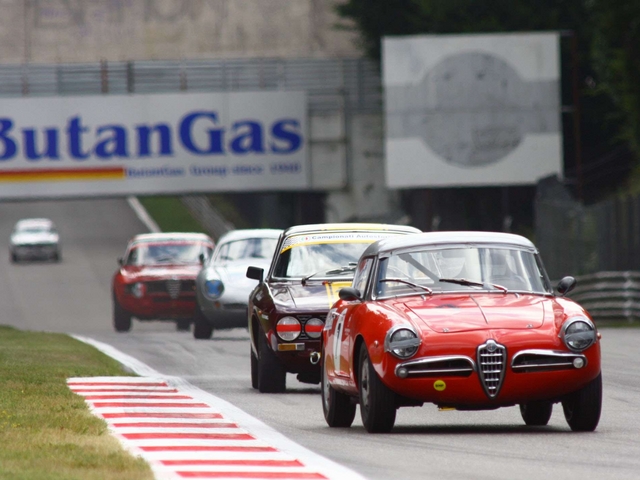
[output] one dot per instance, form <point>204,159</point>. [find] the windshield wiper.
<point>473,283</point>
<point>336,271</point>
<point>407,282</point>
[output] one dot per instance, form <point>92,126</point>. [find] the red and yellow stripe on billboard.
<point>62,174</point>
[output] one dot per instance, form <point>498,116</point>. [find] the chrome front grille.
<point>173,288</point>
<point>446,365</point>
<point>492,359</point>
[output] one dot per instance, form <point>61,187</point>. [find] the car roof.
<point>34,221</point>
<point>351,227</point>
<point>244,233</point>
<point>442,238</point>
<point>170,236</point>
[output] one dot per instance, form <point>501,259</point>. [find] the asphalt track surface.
<point>74,297</point>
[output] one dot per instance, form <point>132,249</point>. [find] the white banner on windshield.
<point>152,144</point>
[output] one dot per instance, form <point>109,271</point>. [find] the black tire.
<point>338,409</point>
<point>272,376</point>
<point>202,329</point>
<point>121,318</point>
<point>536,413</point>
<point>57,257</point>
<point>183,325</point>
<point>14,258</point>
<point>582,408</point>
<point>377,402</point>
<point>254,370</point>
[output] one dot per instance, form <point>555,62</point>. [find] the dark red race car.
<point>288,307</point>
<point>156,278</point>
<point>464,320</point>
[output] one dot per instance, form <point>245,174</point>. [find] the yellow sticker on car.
<point>332,290</point>
<point>439,385</point>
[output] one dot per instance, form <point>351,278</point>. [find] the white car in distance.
<point>34,238</point>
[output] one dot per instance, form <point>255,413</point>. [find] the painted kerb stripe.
<point>197,436</point>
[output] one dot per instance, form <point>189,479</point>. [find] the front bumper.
<point>459,381</point>
<point>45,250</point>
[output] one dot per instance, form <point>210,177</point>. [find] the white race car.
<point>222,287</point>
<point>35,238</point>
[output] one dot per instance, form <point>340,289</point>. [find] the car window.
<point>167,253</point>
<point>512,268</point>
<point>362,274</point>
<point>247,248</point>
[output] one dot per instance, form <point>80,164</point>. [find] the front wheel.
<point>272,376</point>
<point>582,408</point>
<point>377,401</point>
<point>536,413</point>
<point>202,329</point>
<point>121,318</point>
<point>254,369</point>
<point>338,409</point>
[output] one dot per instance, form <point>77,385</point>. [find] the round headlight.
<point>578,334</point>
<point>213,288</point>
<point>402,342</point>
<point>313,328</point>
<point>288,328</point>
<point>138,290</point>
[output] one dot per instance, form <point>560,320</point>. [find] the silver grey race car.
<point>34,238</point>
<point>222,288</point>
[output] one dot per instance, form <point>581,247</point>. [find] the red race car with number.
<point>288,307</point>
<point>464,320</point>
<point>157,278</point>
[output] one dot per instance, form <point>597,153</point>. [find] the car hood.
<point>312,296</point>
<point>458,313</point>
<point>159,272</point>
<point>29,238</point>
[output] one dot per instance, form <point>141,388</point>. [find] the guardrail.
<point>609,295</point>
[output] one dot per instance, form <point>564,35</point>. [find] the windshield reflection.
<point>461,269</point>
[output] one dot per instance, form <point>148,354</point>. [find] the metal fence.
<point>577,240</point>
<point>331,84</point>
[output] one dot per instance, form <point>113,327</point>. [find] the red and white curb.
<point>184,432</point>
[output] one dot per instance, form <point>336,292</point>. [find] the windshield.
<point>167,253</point>
<point>327,254</point>
<point>449,269</point>
<point>247,248</point>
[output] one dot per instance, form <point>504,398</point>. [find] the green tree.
<point>616,60</point>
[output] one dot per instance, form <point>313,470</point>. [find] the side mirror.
<point>255,273</point>
<point>566,285</point>
<point>120,261</point>
<point>349,294</point>
<point>202,258</point>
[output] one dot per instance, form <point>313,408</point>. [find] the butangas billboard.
<point>152,144</point>
<point>472,110</point>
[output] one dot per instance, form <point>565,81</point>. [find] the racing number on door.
<point>337,342</point>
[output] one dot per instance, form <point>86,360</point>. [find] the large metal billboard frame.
<point>472,110</point>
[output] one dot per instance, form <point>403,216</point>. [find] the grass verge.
<point>46,431</point>
<point>170,214</point>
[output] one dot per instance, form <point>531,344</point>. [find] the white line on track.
<point>200,436</point>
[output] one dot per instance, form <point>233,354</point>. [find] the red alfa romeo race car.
<point>464,320</point>
<point>157,278</point>
<point>288,307</point>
